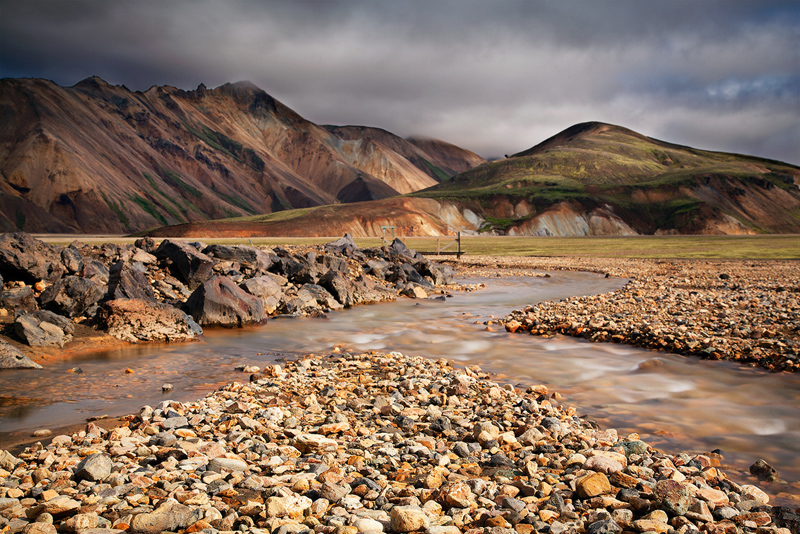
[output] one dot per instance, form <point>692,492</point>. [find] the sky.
<point>493,76</point>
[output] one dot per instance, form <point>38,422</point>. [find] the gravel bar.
<point>367,443</point>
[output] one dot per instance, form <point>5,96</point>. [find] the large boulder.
<point>43,328</point>
<point>369,292</point>
<point>405,272</point>
<point>136,320</point>
<point>344,246</point>
<point>221,302</point>
<point>72,259</point>
<point>25,258</point>
<point>319,296</point>
<point>72,295</point>
<point>377,268</point>
<point>265,288</point>
<point>399,248</point>
<point>18,299</point>
<point>246,256</point>
<point>12,358</point>
<point>335,263</point>
<point>438,273</point>
<point>185,262</point>
<point>297,269</point>
<point>125,282</point>
<point>147,244</point>
<point>340,286</point>
<point>96,271</point>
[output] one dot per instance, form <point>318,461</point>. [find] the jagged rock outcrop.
<point>44,328</point>
<point>138,299</point>
<point>220,302</point>
<point>185,261</point>
<point>136,320</point>
<point>72,295</point>
<point>126,282</point>
<point>27,259</point>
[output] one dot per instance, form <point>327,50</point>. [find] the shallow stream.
<point>673,402</point>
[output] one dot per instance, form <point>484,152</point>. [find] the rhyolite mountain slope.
<point>596,178</point>
<point>591,179</point>
<point>98,158</point>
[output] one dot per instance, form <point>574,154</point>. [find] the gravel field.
<point>744,311</point>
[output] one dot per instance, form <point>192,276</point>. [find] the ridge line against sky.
<point>495,77</point>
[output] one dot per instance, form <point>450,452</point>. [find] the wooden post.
<point>458,255</point>
<point>437,246</point>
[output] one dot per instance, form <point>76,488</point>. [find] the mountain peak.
<point>576,132</point>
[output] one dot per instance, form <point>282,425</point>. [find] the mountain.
<point>619,181</point>
<point>591,179</point>
<point>99,158</point>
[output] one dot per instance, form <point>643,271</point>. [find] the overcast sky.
<point>495,77</point>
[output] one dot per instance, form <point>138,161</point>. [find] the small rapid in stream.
<point>674,402</point>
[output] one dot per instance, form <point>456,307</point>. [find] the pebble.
<point>250,457</point>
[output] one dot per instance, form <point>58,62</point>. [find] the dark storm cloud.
<point>495,77</point>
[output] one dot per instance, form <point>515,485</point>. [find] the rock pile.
<point>747,312</point>
<point>169,291</point>
<point>370,443</point>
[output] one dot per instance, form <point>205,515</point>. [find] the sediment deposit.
<point>370,443</point>
<point>743,311</point>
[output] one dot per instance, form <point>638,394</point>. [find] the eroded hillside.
<point>98,158</point>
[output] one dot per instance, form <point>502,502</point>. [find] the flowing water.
<point>674,402</point>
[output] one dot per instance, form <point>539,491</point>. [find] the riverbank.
<point>743,311</point>
<point>350,443</point>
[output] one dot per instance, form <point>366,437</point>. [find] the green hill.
<point>651,185</point>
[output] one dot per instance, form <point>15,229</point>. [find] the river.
<point>674,402</point>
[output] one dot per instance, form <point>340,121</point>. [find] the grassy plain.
<point>758,247</point>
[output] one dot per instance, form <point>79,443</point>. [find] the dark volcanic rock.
<point>340,286</point>
<point>11,358</point>
<point>298,270</point>
<point>125,282</point>
<point>368,292</point>
<point>72,295</point>
<point>96,271</point>
<point>334,263</point>
<point>43,328</point>
<point>221,302</point>
<point>185,262</point>
<point>265,288</point>
<point>249,257</point>
<point>136,320</point>
<point>72,260</point>
<point>319,295</point>
<point>344,246</point>
<point>762,470</point>
<point>18,298</point>
<point>147,244</point>
<point>398,247</point>
<point>24,258</point>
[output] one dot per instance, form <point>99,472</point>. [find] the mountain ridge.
<point>590,179</point>
<point>99,158</point>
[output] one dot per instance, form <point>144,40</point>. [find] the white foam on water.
<point>363,339</point>
<point>762,427</point>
